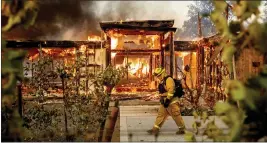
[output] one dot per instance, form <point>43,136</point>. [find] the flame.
<point>33,57</point>
<point>183,54</point>
<point>114,42</point>
<point>145,69</point>
<point>83,48</point>
<point>67,51</point>
<point>94,38</point>
<point>138,68</point>
<point>49,51</point>
<point>113,55</point>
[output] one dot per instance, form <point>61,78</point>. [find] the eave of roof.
<point>55,44</point>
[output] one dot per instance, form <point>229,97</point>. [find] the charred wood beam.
<point>150,67</point>
<point>202,58</point>
<point>20,102</point>
<point>54,44</point>
<point>171,54</point>
<point>105,27</point>
<point>151,23</point>
<point>215,54</point>
<point>162,51</point>
<point>108,52</point>
<point>183,46</point>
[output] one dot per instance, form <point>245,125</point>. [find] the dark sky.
<point>58,19</point>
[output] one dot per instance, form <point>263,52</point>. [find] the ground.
<point>136,119</point>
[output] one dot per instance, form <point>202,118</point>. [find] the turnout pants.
<point>172,110</point>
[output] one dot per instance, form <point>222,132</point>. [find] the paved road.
<point>136,120</point>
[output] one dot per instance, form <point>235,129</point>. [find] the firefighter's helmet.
<point>158,71</point>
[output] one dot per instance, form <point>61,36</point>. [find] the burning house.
<point>141,45</point>
<point>62,54</point>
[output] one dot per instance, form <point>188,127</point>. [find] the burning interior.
<point>141,45</point>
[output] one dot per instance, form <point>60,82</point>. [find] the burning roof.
<point>149,25</point>
<point>145,23</point>
<point>185,46</point>
<point>54,44</point>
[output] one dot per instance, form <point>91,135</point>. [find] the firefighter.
<point>169,104</point>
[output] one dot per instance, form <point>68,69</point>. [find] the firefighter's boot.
<point>154,131</point>
<point>181,131</point>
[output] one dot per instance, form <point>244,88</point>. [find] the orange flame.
<point>114,42</point>
<point>33,57</point>
<point>94,38</point>
<point>113,55</point>
<point>138,68</point>
<point>67,51</point>
<point>49,51</point>
<point>83,48</point>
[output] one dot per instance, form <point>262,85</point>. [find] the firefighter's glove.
<point>167,102</point>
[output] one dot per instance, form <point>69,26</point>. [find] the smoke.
<point>76,19</point>
<point>59,20</point>
<point>69,21</point>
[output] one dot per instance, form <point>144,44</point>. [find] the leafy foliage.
<point>12,68</point>
<point>245,111</point>
<point>19,12</point>
<point>112,76</point>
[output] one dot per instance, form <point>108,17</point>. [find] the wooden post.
<point>111,122</point>
<point>202,64</point>
<point>150,67</point>
<point>127,76</point>
<point>201,52</point>
<point>77,71</point>
<point>190,72</point>
<point>162,51</point>
<point>86,69</point>
<point>108,52</point>
<point>211,72</point>
<point>175,66</point>
<point>65,112</point>
<point>32,64</point>
<point>106,106</point>
<point>171,54</point>
<point>94,59</point>
<point>20,98</point>
<point>198,70</point>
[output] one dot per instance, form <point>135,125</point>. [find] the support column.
<point>150,67</point>
<point>108,52</point>
<point>162,51</point>
<point>202,58</point>
<point>175,66</point>
<point>171,54</point>
<point>20,102</point>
